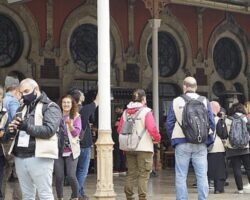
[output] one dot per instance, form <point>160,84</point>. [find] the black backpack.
<point>221,129</point>
<point>195,125</point>
<point>238,134</point>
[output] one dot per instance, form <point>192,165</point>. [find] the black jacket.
<point>52,116</point>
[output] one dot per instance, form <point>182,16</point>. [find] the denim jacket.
<point>11,104</point>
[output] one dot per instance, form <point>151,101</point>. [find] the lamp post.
<point>104,144</point>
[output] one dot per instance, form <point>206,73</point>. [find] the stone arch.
<point>28,27</point>
<point>229,28</point>
<point>82,15</point>
<point>175,28</point>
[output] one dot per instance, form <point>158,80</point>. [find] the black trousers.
<point>119,159</point>
<point>217,170</point>
<point>2,163</point>
<point>236,165</point>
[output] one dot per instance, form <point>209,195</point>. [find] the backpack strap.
<point>186,97</point>
<point>134,118</point>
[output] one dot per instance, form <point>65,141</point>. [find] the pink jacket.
<point>149,121</point>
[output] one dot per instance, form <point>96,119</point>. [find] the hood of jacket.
<point>133,107</point>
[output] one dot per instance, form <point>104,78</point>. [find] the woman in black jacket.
<point>238,155</point>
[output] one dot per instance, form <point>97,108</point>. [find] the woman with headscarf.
<point>216,157</point>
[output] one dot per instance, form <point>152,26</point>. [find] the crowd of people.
<point>41,139</point>
<point>227,140</point>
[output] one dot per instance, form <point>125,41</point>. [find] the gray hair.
<point>190,83</point>
<point>29,81</point>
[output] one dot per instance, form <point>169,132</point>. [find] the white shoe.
<point>239,192</point>
<point>246,187</point>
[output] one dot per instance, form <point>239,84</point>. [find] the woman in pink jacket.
<point>139,160</point>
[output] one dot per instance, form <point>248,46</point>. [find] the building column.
<point>104,144</point>
<point>155,24</point>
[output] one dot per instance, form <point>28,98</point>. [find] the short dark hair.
<point>119,106</point>
<point>138,95</point>
<point>76,94</point>
<point>237,107</point>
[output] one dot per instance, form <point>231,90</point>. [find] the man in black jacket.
<point>35,144</point>
<point>86,111</point>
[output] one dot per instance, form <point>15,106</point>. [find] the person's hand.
<point>12,129</point>
<point>22,125</point>
<point>69,123</point>
<point>1,133</point>
<point>155,142</point>
<point>19,124</point>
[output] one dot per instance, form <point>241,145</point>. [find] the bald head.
<point>215,107</point>
<point>189,84</point>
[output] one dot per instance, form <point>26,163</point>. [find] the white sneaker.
<point>239,192</point>
<point>246,187</point>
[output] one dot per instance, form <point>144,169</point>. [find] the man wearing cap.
<point>11,103</point>
<point>12,96</point>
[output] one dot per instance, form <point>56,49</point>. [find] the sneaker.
<point>122,173</point>
<point>239,192</point>
<point>211,186</point>
<point>84,197</point>
<point>247,186</point>
<point>153,174</point>
<point>115,173</point>
<point>218,192</point>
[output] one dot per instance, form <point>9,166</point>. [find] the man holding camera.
<point>35,144</point>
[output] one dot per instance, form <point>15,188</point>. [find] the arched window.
<point>169,54</point>
<point>11,42</point>
<point>83,47</point>
<point>227,58</point>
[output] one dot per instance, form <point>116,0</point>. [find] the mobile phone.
<point>18,115</point>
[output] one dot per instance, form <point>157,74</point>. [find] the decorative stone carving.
<point>32,65</point>
<point>156,6</point>
<point>49,44</point>
<point>200,56</point>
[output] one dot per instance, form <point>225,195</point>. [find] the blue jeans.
<point>35,174</point>
<point>197,153</point>
<point>83,168</point>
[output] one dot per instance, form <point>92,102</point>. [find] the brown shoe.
<point>84,197</point>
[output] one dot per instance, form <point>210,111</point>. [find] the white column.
<point>104,144</point>
<point>155,24</point>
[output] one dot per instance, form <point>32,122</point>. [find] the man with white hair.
<point>35,144</point>
<point>185,149</point>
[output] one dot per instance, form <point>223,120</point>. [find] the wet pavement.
<point>160,188</point>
